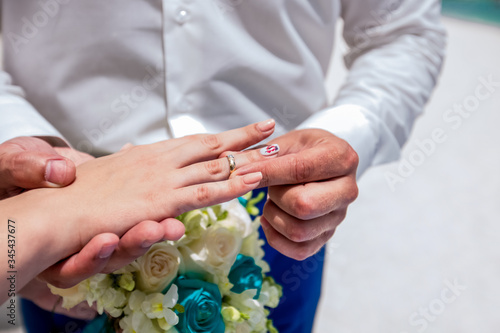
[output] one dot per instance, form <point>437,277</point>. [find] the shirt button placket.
<point>182,15</point>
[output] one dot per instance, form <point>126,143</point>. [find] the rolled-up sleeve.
<point>19,118</point>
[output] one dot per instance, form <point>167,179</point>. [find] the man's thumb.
<point>35,169</point>
<point>59,172</point>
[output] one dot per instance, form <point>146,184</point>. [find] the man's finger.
<point>297,230</point>
<point>294,250</point>
<point>137,241</point>
<point>312,164</point>
<point>84,264</point>
<point>34,170</point>
<point>315,199</point>
<point>32,163</point>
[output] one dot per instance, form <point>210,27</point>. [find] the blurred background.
<point>419,250</point>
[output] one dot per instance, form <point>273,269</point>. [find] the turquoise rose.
<point>245,274</point>
<point>202,303</point>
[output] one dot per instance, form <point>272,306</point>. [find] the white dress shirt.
<point>99,73</point>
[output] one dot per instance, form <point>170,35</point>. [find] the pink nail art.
<point>270,150</point>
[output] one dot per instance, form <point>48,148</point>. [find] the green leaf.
<point>222,216</point>
<point>179,308</point>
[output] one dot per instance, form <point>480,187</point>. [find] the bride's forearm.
<point>35,234</point>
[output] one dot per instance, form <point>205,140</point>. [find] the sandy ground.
<point>421,256</point>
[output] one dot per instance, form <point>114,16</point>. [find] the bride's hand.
<point>153,182</point>
<point>28,163</point>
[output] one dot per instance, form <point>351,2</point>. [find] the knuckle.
<point>211,141</point>
<point>265,181</point>
<point>302,169</point>
<point>254,156</point>
<point>302,253</point>
<point>18,160</point>
<point>350,158</point>
<point>353,193</point>
<point>235,185</point>
<point>303,206</point>
<point>253,131</point>
<point>179,209</point>
<point>213,167</point>
<point>154,202</point>
<point>328,234</point>
<point>202,194</point>
<point>297,234</point>
<point>196,137</point>
<point>17,164</point>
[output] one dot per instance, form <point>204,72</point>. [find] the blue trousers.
<point>301,281</point>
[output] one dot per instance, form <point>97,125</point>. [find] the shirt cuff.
<point>361,129</point>
<point>19,118</point>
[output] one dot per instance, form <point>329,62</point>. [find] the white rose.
<point>195,222</point>
<point>216,251</point>
<point>237,217</point>
<point>222,246</point>
<point>158,267</point>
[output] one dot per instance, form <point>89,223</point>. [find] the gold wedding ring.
<point>232,163</point>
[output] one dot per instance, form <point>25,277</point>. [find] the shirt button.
<point>182,15</point>
<point>184,106</point>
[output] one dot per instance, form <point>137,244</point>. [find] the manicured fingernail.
<point>252,178</point>
<point>106,251</point>
<point>270,150</point>
<point>266,125</point>
<point>55,172</point>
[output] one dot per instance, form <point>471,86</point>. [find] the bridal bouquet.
<point>213,279</point>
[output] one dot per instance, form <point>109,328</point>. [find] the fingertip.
<point>153,233</point>
<point>267,126</point>
<point>270,150</point>
<point>106,243</point>
<point>173,229</point>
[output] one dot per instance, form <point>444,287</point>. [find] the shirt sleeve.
<point>396,50</point>
<point>19,117</point>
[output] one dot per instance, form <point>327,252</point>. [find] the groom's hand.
<point>311,183</point>
<point>29,163</point>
